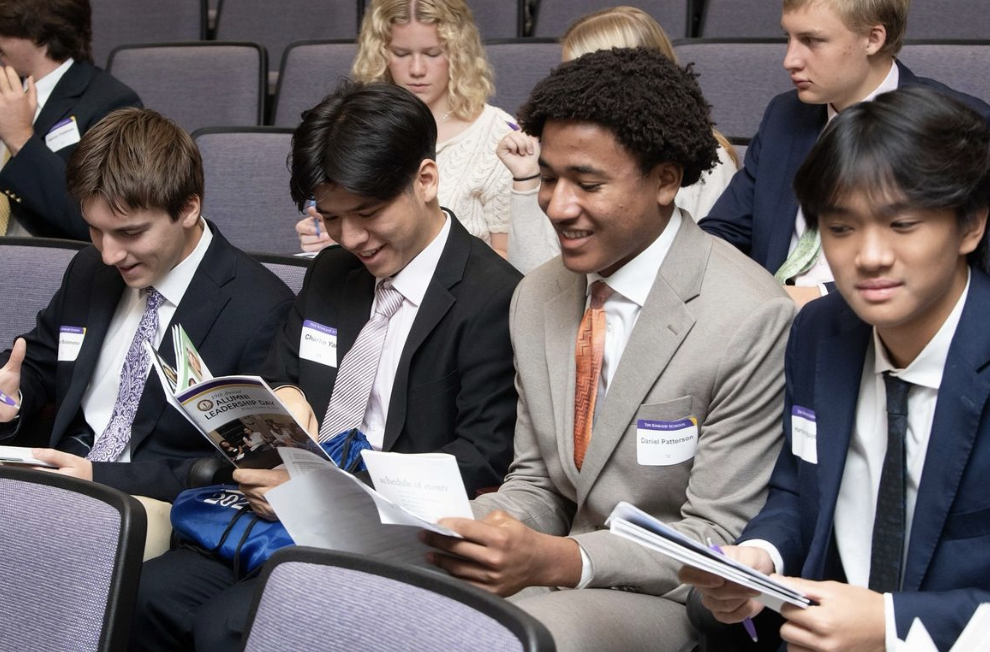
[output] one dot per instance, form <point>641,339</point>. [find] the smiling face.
<point>604,209</point>
<point>901,268</point>
<point>417,62</point>
<point>384,235</point>
<point>144,245</point>
<point>828,62</point>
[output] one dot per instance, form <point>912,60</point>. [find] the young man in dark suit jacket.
<point>444,378</point>
<point>47,43</point>
<point>839,53</point>
<point>886,517</point>
<point>139,180</point>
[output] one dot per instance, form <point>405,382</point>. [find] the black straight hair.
<point>368,139</point>
<point>914,143</point>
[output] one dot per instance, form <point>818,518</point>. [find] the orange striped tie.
<point>588,354</point>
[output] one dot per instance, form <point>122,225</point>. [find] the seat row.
<point>276,24</point>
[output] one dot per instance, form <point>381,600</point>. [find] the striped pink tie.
<point>352,389</point>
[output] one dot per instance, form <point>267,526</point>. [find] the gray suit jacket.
<point>709,343</point>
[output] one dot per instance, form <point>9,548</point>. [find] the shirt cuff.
<point>770,549</point>
<point>823,289</point>
<point>587,570</point>
<point>889,623</point>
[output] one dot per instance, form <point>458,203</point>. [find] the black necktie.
<point>888,526</point>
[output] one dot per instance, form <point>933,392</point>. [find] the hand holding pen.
<point>747,622</point>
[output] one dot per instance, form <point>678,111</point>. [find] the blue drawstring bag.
<point>218,520</point>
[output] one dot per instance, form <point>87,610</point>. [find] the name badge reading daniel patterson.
<point>664,443</point>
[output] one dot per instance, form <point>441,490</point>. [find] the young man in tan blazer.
<point>684,412</point>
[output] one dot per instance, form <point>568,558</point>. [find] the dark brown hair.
<point>136,159</point>
<point>63,26</point>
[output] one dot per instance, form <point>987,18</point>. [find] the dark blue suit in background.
<point>947,573</point>
<point>757,211</point>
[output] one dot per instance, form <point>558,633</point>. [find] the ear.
<point>427,180</point>
<point>189,216</point>
<point>668,178</point>
<point>973,230</point>
<point>875,39</point>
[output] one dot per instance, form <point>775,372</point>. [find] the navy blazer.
<point>947,573</point>
<point>757,210</point>
<point>34,180</point>
<point>231,311</point>
<point>453,390</point>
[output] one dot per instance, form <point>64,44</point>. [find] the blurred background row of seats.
<point>276,24</point>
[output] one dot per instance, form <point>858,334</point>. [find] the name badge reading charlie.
<point>804,434</point>
<point>70,339</point>
<point>664,443</point>
<point>63,134</point>
<point>318,343</point>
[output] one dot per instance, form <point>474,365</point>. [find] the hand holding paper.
<point>501,555</point>
<point>729,602</point>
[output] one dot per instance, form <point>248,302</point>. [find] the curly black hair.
<point>653,106</point>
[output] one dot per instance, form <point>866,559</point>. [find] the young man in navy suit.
<point>839,53</point>
<point>154,262</point>
<point>47,44</point>
<point>878,500</point>
<point>441,378</point>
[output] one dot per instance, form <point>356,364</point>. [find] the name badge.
<point>63,134</point>
<point>70,339</point>
<point>664,443</point>
<point>804,434</point>
<point>318,343</point>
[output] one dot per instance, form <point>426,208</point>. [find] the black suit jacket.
<point>453,390</point>
<point>34,180</point>
<point>231,311</point>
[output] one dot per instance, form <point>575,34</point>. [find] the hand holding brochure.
<point>21,456</point>
<point>636,525</point>
<point>240,415</point>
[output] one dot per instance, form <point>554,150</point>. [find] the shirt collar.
<point>888,84</point>
<point>173,286</point>
<point>413,280</point>
<point>926,369</point>
<point>635,279</point>
<point>47,84</point>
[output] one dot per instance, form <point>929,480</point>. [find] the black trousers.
<point>188,600</point>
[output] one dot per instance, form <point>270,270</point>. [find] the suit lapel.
<point>804,137</point>
<point>64,97</point>
<point>962,398</point>
<point>108,286</point>
<point>437,301</point>
<point>840,361</point>
<point>561,320</point>
<point>663,323</point>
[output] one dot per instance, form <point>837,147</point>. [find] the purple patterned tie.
<point>352,389</point>
<point>132,377</point>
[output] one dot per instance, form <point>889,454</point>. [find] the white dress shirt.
<point>820,273</point>
<point>411,282</point>
<point>44,88</point>
<point>100,396</point>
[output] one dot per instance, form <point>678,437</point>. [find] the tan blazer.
<point>709,343</point>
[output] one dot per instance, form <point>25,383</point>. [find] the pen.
<point>512,125</point>
<point>9,400</point>
<point>310,203</point>
<point>747,622</point>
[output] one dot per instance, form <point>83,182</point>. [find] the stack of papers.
<point>636,525</point>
